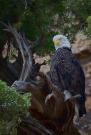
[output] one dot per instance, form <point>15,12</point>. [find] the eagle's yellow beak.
<point>56,42</point>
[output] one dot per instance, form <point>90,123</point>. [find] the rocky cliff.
<point>82,49</point>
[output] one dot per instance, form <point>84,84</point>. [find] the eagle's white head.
<point>61,41</point>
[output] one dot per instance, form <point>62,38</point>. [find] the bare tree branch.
<point>25,52</point>
<point>33,124</point>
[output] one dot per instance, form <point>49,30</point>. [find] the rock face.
<point>82,49</point>
<point>41,59</point>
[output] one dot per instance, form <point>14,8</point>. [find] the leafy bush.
<point>35,17</point>
<point>89,25</point>
<point>13,107</point>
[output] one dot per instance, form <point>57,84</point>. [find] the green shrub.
<point>13,107</point>
<point>89,25</point>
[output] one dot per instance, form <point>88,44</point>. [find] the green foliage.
<point>74,17</point>
<point>11,10</point>
<point>89,25</point>
<point>13,107</point>
<point>33,20</point>
<point>38,16</point>
<point>48,47</point>
<point>80,8</point>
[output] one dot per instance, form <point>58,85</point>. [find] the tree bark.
<point>31,126</point>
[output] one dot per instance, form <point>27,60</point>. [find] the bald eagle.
<point>66,72</point>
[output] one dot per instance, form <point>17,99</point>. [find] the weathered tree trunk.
<point>36,128</point>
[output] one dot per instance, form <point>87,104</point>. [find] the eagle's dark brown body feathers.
<point>67,74</point>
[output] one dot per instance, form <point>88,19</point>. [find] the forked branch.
<point>25,52</point>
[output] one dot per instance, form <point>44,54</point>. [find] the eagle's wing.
<point>66,73</point>
<point>55,78</point>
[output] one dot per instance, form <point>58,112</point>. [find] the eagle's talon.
<point>48,98</point>
<point>67,95</point>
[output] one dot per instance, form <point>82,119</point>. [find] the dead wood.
<point>35,126</point>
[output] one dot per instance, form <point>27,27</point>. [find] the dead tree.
<point>50,115</point>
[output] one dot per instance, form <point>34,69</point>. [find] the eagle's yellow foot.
<point>67,95</point>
